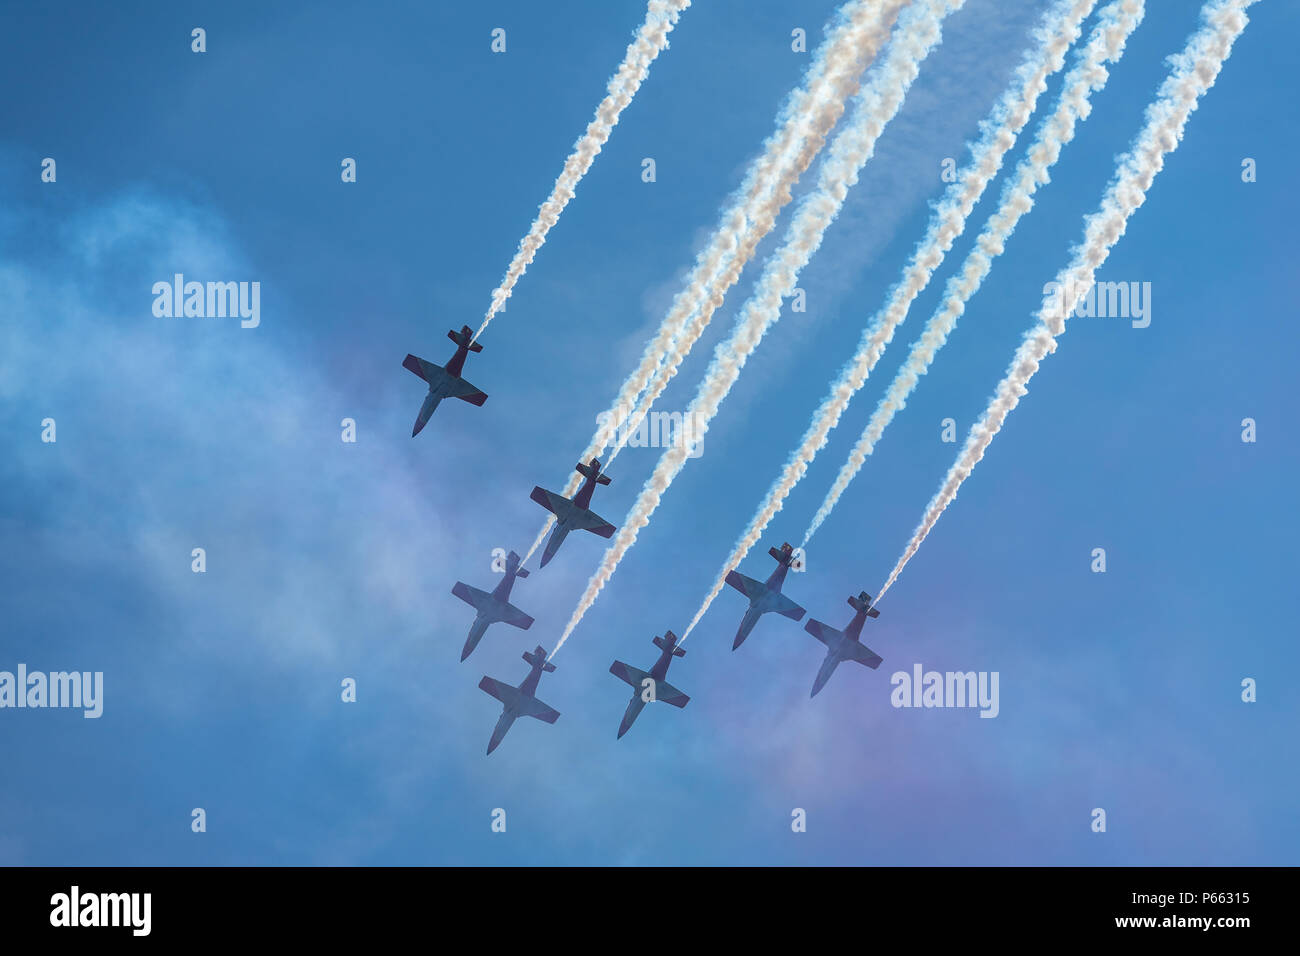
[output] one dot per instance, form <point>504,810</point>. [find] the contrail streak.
<point>808,117</point>
<point>917,34</point>
<point>1194,71</point>
<point>1106,44</point>
<point>661,16</point>
<point>859,30</point>
<point>1060,28</point>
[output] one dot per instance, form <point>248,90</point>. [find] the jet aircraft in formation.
<point>446,382</point>
<point>575,514</point>
<point>493,607</point>
<point>648,687</point>
<point>845,645</point>
<point>765,596</point>
<point>520,701</point>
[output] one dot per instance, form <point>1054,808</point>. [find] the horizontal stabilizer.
<point>863,603</point>
<point>662,643</point>
<point>462,337</point>
<point>592,471</point>
<point>538,656</point>
<point>512,563</point>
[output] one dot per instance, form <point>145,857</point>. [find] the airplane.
<point>766,595</point>
<point>845,645</point>
<point>493,607</point>
<point>663,691</point>
<point>446,382</point>
<point>572,514</point>
<point>520,701</point>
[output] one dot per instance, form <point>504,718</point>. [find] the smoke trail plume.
<point>917,34</point>
<point>805,119</point>
<point>661,16</point>
<point>1117,22</point>
<point>1059,30</point>
<point>809,116</point>
<point>1193,72</point>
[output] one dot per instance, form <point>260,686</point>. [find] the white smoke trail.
<point>1106,44</point>
<point>1194,71</point>
<point>917,34</point>
<point>1059,29</point>
<point>661,16</point>
<point>809,116</point>
<point>805,119</point>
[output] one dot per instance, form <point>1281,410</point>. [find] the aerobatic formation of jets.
<point>857,81</point>
<point>575,514</point>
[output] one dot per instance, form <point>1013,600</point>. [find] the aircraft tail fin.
<point>592,470</point>
<point>512,563</point>
<point>784,554</point>
<point>464,337</point>
<point>537,656</point>
<point>863,603</point>
<point>671,641</point>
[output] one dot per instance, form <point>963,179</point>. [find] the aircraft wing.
<point>745,585</point>
<point>866,655</point>
<point>535,708</point>
<point>426,370</point>
<point>823,632</point>
<point>784,606</point>
<point>517,618</point>
<point>471,596</point>
<point>459,388</point>
<point>628,674</point>
<point>666,693</point>
<point>590,521</point>
<point>556,504</point>
<point>502,692</point>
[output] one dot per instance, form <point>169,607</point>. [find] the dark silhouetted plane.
<point>493,607</point>
<point>766,595</point>
<point>657,688</point>
<point>572,514</point>
<point>446,382</point>
<point>845,645</point>
<point>520,701</point>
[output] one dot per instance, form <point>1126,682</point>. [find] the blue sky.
<point>329,560</point>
